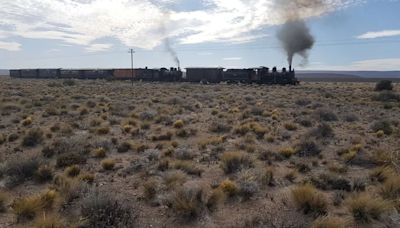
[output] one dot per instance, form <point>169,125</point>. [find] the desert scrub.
<point>382,173</point>
<point>26,208</point>
<point>232,162</point>
<point>366,208</point>
<point>150,188</point>
<point>99,152</point>
<point>108,164</point>
<point>68,159</point>
<point>290,126</point>
<point>382,125</point>
<point>391,189</point>
<point>325,115</point>
<point>329,222</point>
<point>287,152</point>
<point>308,199</point>
<point>103,210</point>
<point>174,178</point>
<point>3,201</point>
<point>219,127</point>
<point>27,121</point>
<point>103,130</point>
<point>44,173</point>
<point>190,200</point>
<point>384,85</point>
<point>351,153</point>
<point>179,124</point>
<point>307,148</point>
<point>248,185</point>
<point>17,170</point>
<point>33,138</point>
<point>188,166</point>
<point>323,130</point>
<point>254,127</point>
<point>72,171</point>
<point>229,187</point>
<point>48,220</point>
<point>124,147</point>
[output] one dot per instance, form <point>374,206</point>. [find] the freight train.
<point>261,75</point>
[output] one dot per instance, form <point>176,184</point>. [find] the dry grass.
<point>28,207</point>
<point>309,199</point>
<point>108,164</point>
<point>3,201</point>
<point>365,208</point>
<point>235,161</point>
<point>329,222</point>
<point>47,220</point>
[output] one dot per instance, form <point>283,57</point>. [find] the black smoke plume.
<point>167,43</point>
<point>294,35</point>
<point>296,38</point>
<point>172,52</point>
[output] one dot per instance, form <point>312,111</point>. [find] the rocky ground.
<point>109,154</point>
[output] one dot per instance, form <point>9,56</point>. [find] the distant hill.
<point>348,76</point>
<point>4,73</point>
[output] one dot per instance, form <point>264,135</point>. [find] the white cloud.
<point>10,46</point>
<point>232,59</point>
<point>98,47</point>
<point>386,64</point>
<point>379,34</point>
<point>146,23</point>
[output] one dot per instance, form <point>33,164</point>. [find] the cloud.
<point>142,23</point>
<point>379,34</point>
<point>232,59</point>
<point>385,64</point>
<point>10,46</point>
<point>98,47</point>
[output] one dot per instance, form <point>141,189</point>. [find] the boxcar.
<point>70,73</point>
<point>15,73</point>
<point>145,74</point>
<point>239,75</point>
<point>96,74</point>
<point>48,73</point>
<point>29,73</point>
<point>212,75</point>
<point>124,74</point>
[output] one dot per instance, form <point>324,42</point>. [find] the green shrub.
<point>384,85</point>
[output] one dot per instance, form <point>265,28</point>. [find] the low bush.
<point>366,208</point>
<point>72,171</point>
<point>44,173</point>
<point>322,131</point>
<point>103,210</point>
<point>326,115</point>
<point>384,85</point>
<point>69,159</point>
<point>391,189</point>
<point>27,208</point>
<point>309,199</point>
<point>328,181</point>
<point>235,161</point>
<point>329,222</point>
<point>99,152</point>
<point>150,188</point>
<point>124,147</point>
<point>387,96</point>
<point>108,164</point>
<point>287,152</point>
<point>188,166</point>
<point>229,187</point>
<point>307,148</point>
<point>179,124</point>
<point>3,201</point>
<point>382,125</point>
<point>248,185</point>
<point>49,221</point>
<point>174,178</point>
<point>190,200</point>
<point>17,170</point>
<point>33,138</point>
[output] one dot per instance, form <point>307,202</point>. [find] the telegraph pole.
<point>132,52</point>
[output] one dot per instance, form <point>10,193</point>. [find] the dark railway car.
<point>70,73</point>
<point>15,73</point>
<point>48,73</point>
<point>29,73</point>
<point>146,74</point>
<point>239,76</point>
<point>211,75</point>
<point>96,74</point>
<point>124,74</point>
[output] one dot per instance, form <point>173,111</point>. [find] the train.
<point>260,75</point>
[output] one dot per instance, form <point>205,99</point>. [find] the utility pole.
<point>132,52</point>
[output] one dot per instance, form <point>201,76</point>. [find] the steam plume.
<point>294,35</point>
<point>167,42</point>
<point>296,39</point>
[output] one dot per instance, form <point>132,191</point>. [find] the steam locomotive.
<point>261,75</point>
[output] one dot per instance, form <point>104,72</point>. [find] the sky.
<point>349,34</point>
